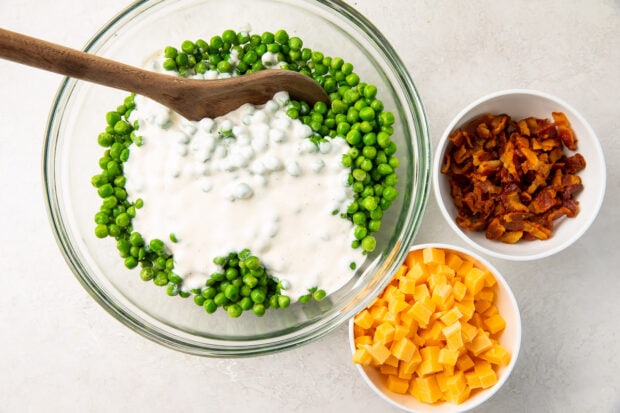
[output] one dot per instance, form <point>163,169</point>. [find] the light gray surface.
<point>61,352</point>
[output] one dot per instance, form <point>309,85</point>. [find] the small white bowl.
<point>519,104</point>
<point>510,339</point>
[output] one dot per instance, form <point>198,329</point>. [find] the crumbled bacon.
<point>513,180</point>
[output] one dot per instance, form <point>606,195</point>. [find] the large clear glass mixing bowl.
<point>71,157</point>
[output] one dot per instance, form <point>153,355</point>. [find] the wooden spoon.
<point>193,99</point>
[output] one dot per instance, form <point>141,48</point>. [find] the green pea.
<point>258,309</point>
<point>101,231</point>
<point>258,296</point>
<point>374,225</point>
<point>318,295</point>
<point>390,193</point>
<point>147,273</point>
<point>199,300</point>
<point>105,190</point>
<point>283,301</point>
<point>232,292</point>
<point>367,113</point>
<point>234,310</point>
<point>131,262</point>
<point>220,299</point>
<point>210,306</point>
<point>369,243</point>
<point>156,245</point>
<point>360,232</point>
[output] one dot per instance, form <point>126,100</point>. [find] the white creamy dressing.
<point>265,187</point>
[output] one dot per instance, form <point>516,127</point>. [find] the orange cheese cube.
<point>397,303</point>
<point>495,323</point>
<point>422,311</point>
<point>464,362</point>
<point>445,269</point>
<point>391,361</point>
<point>400,272</point>
<point>441,381</point>
<point>384,333</point>
<point>456,383</point>
<point>442,294</point>
<point>363,319</point>
<point>397,385</point>
<point>474,280</point>
<point>457,389</point>
<point>430,361</point>
<point>491,311</point>
<point>417,272</point>
<point>489,280</point>
<point>453,260</point>
<point>403,349</point>
<point>452,333</point>
<point>388,370</point>
<point>362,356</point>
<point>433,256</point>
<point>451,316</point>
<point>421,291</point>
<point>467,308</point>
<point>400,331</point>
<point>482,305</point>
<point>378,351</point>
<point>378,314</point>
<point>413,257</point>
<point>486,294</point>
<point>468,332</point>
<point>496,355</point>
<point>464,268</point>
<point>473,380</point>
<point>433,334</point>
<point>480,343</point>
<point>362,340</point>
<point>358,331</point>
<point>407,285</point>
<point>425,389</point>
<point>459,290</point>
<point>408,367</point>
<point>448,356</point>
<point>434,280</point>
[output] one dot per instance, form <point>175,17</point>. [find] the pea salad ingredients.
<point>258,184</point>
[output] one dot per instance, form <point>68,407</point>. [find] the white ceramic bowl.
<point>510,339</point>
<point>519,104</point>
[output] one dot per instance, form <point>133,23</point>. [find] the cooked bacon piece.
<point>565,132</point>
<point>513,179</point>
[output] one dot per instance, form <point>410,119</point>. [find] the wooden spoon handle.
<point>70,62</point>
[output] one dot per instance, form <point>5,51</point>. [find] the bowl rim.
<point>490,392</point>
<point>458,119</point>
<point>287,339</point>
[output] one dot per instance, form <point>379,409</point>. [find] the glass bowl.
<point>71,156</point>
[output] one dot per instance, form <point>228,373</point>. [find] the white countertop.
<point>61,352</point>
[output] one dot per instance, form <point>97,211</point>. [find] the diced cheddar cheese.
<point>453,260</point>
<point>474,280</point>
<point>403,349</point>
<point>435,331</point>
<point>433,256</point>
<point>384,333</point>
<point>378,351</point>
<point>451,316</point>
<point>396,384</point>
<point>495,323</point>
<point>496,355</point>
<point>364,319</point>
<point>425,389</point>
